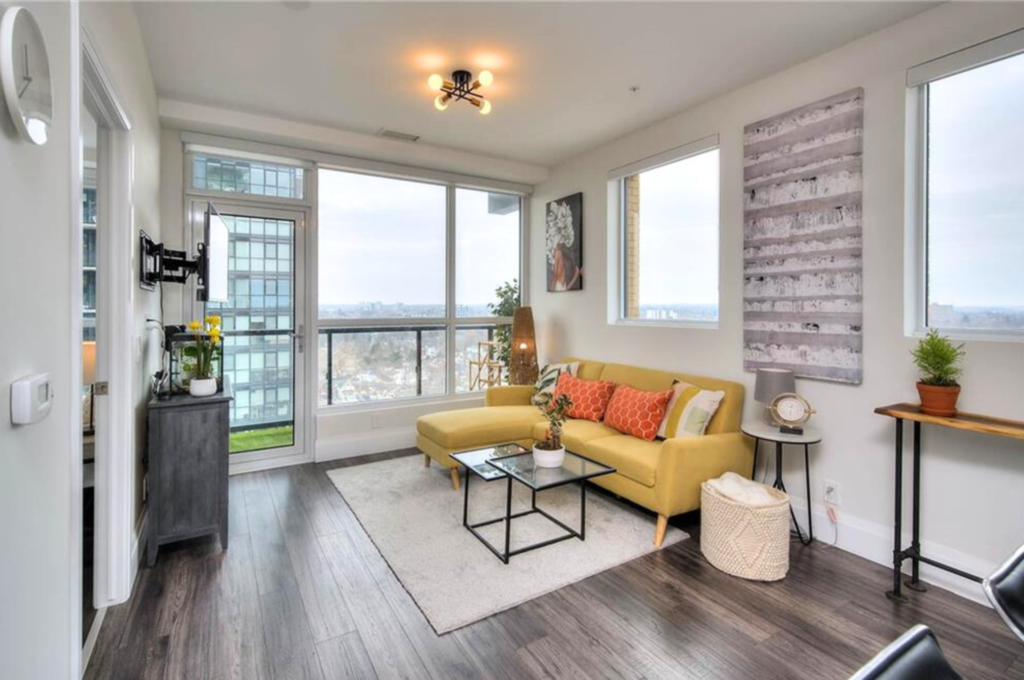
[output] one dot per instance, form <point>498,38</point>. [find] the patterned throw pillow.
<point>635,412</point>
<point>549,378</point>
<point>689,411</point>
<point>589,397</point>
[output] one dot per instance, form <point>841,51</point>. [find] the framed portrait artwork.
<point>564,244</point>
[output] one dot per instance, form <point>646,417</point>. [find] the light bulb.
<point>522,345</point>
<point>485,107</point>
<point>441,102</point>
<point>486,78</point>
<point>435,82</point>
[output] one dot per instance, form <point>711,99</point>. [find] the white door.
<point>264,333</point>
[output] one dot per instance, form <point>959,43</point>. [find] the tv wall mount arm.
<point>159,264</point>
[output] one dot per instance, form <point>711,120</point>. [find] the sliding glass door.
<point>264,339</point>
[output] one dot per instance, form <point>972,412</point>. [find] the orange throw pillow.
<point>637,413</point>
<point>589,397</point>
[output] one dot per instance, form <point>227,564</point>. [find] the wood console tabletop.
<point>961,421</point>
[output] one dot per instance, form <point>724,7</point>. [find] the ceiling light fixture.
<point>461,86</point>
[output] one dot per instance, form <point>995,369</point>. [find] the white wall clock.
<point>25,74</point>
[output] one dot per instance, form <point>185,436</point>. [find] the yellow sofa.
<point>662,476</point>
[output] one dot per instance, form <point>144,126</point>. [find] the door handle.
<point>300,338</point>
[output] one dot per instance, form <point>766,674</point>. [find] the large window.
<point>974,199</point>
<point>670,241</point>
<point>403,314</point>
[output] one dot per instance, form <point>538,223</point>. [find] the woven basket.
<point>749,542</point>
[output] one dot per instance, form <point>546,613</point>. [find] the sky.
<point>679,232</point>
<point>976,186</point>
<point>383,239</point>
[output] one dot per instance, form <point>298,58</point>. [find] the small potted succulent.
<point>938,359</point>
<point>550,453</point>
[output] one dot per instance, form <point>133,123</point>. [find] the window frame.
<point>313,161</point>
<point>450,321</point>
<point>618,289</point>
<point>916,214</point>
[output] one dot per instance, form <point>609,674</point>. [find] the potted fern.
<point>550,453</point>
<point>938,359</point>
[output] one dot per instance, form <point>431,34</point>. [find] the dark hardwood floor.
<point>303,593</point>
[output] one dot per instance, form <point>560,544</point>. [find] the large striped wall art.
<point>802,274</point>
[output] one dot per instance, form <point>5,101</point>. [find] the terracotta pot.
<point>937,400</point>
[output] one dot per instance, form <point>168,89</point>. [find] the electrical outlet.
<point>375,421</point>
<point>832,492</point>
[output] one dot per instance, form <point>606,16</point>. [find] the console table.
<point>998,427</point>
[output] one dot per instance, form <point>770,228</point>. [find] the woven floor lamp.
<point>522,362</point>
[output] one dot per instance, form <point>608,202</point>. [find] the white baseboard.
<point>874,542</point>
<point>363,443</point>
<point>90,639</point>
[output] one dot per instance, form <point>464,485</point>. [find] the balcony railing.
<point>387,365</point>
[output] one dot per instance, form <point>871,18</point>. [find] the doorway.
<point>264,337</point>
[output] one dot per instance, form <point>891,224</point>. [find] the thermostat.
<point>31,399</point>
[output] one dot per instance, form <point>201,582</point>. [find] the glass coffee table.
<point>513,462</point>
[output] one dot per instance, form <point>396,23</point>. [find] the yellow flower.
<point>215,336</point>
<point>213,320</point>
<point>195,326</point>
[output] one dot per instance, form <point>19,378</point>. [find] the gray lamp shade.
<point>771,382</point>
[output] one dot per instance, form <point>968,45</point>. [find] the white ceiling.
<point>562,70</point>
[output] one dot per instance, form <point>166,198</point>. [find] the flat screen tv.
<point>213,261</point>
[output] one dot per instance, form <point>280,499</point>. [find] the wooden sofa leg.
<point>455,478</point>
<point>659,532</point>
<point>426,460</point>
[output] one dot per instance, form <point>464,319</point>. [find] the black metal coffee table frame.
<point>507,553</point>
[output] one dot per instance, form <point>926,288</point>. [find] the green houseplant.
<point>938,360</point>
<point>508,302</point>
<point>550,452</point>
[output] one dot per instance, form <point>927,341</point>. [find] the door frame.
<point>114,571</point>
<point>301,450</point>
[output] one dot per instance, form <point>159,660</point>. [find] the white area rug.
<point>414,517</point>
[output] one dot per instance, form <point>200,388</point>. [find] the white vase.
<point>202,388</point>
<point>548,459</point>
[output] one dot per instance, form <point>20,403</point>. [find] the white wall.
<point>115,32</point>
<point>973,510</point>
<point>36,278</point>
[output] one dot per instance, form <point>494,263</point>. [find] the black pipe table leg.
<point>914,582</point>
<point>897,552</point>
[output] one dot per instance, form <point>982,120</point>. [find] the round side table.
<point>769,433</point>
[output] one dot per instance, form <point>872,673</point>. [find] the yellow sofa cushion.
<point>634,458</point>
<point>575,433</point>
<point>466,428</point>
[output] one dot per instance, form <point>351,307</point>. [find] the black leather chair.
<point>915,655</point>
<point>1005,590</point>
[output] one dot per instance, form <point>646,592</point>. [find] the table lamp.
<point>89,379</point>
<point>522,361</point>
<point>770,383</point>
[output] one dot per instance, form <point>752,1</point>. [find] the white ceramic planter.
<point>203,388</point>
<point>548,459</point>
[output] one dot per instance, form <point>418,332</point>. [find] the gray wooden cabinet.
<point>188,469</point>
